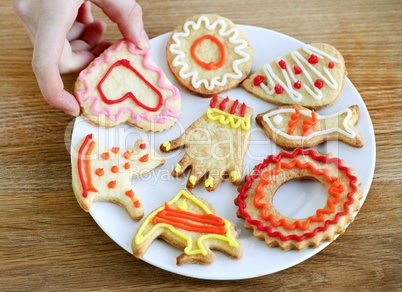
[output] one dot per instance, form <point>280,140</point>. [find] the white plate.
<point>159,186</point>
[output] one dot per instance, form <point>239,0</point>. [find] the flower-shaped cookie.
<point>208,54</point>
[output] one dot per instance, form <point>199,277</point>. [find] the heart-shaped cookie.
<point>124,85</point>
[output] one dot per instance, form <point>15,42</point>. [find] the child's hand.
<point>66,39</point>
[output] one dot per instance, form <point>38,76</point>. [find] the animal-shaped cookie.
<point>208,54</point>
<point>312,76</point>
<point>103,174</point>
<point>191,224</point>
<point>123,85</point>
<point>292,127</point>
<point>255,200</point>
<point>216,144</point>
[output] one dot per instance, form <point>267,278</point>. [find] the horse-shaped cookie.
<point>103,174</point>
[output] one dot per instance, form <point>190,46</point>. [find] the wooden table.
<point>48,243</point>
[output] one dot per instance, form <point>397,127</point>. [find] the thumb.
<point>127,14</point>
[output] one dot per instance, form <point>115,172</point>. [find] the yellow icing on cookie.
<point>183,205</point>
<point>191,179</point>
<point>235,175</point>
<point>225,118</point>
<point>209,182</point>
<point>166,144</point>
<point>188,249</point>
<point>177,167</point>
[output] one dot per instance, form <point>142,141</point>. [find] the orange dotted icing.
<point>112,184</point>
<point>127,165</point>
<point>115,169</point>
<point>105,155</point>
<point>127,154</point>
<point>130,194</point>
<point>99,172</point>
<point>144,158</point>
<point>115,150</point>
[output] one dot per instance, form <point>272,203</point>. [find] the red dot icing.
<point>331,65</point>
<point>313,59</point>
<point>297,84</point>
<point>143,146</point>
<point>258,80</point>
<point>318,83</point>
<point>282,64</point>
<point>297,70</point>
<point>278,89</point>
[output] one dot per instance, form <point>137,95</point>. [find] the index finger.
<point>127,14</point>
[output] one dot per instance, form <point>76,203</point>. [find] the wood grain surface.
<point>48,243</point>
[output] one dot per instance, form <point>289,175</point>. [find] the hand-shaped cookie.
<point>217,143</point>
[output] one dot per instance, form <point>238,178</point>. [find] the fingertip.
<point>74,113</point>
<point>70,105</point>
<point>144,41</point>
<point>64,101</point>
<point>140,39</point>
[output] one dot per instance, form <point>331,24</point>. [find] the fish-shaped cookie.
<point>312,76</point>
<point>189,223</point>
<point>292,127</point>
<point>103,174</point>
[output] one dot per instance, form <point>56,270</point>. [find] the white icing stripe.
<point>309,48</point>
<point>299,59</point>
<point>194,74</point>
<point>349,132</point>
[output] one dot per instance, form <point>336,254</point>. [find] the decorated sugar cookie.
<point>189,223</point>
<point>312,76</point>
<point>216,144</point>
<point>255,200</point>
<point>208,54</point>
<point>103,174</point>
<point>123,85</point>
<point>291,127</point>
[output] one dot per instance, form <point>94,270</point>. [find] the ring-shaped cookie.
<point>256,199</point>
